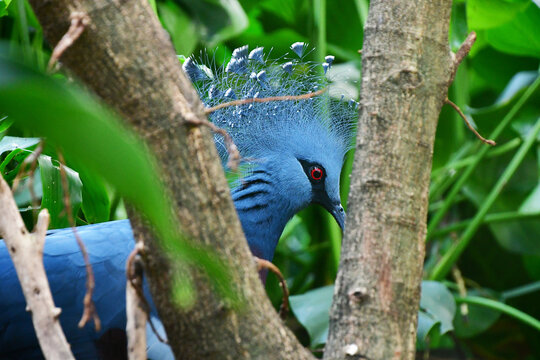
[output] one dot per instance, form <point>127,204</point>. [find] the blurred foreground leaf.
<point>71,118</point>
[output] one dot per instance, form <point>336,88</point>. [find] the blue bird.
<point>292,153</point>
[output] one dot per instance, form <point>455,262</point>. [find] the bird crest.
<point>312,121</point>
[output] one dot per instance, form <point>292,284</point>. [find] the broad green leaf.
<point>218,20</point>
<point>428,331</point>
<point>3,7</point>
<point>23,196</point>
<point>478,319</point>
<point>437,301</point>
<point>96,204</point>
<point>486,14</point>
<point>532,266</point>
<point>9,143</point>
<point>426,323</point>
<point>72,119</point>
<point>312,309</point>
<point>180,26</point>
<point>53,192</point>
<point>5,123</point>
<point>519,36</point>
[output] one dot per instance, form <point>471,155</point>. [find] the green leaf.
<point>478,320</point>
<point>532,202</point>
<point>520,36</point>
<point>219,19</point>
<point>486,14</point>
<point>3,7</point>
<point>23,196</point>
<point>71,118</point>
<point>437,301</point>
<point>96,204</point>
<point>9,143</point>
<point>53,192</point>
<point>312,309</point>
<point>532,266</point>
<point>426,323</point>
<point>5,123</point>
<point>183,33</point>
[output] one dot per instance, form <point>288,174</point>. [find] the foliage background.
<point>483,246</point>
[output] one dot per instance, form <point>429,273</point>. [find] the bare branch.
<point>131,274</point>
<point>263,100</point>
<point>135,308</point>
<point>464,308</point>
<point>232,150</point>
<point>79,20</point>
<point>463,51</point>
<point>26,251</point>
<point>265,264</point>
<point>89,307</point>
<point>483,139</point>
<point>234,155</point>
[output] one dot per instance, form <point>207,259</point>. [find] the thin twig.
<point>79,20</point>
<point>487,141</point>
<point>265,264</point>
<point>136,313</point>
<point>89,307</point>
<point>232,150</point>
<point>464,308</point>
<point>263,100</point>
<point>135,280</point>
<point>462,52</point>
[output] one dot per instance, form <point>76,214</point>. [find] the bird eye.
<point>316,173</point>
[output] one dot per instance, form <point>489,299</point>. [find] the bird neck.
<point>263,212</point>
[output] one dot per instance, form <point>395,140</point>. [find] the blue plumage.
<point>108,244</point>
<point>292,153</point>
<point>275,137</point>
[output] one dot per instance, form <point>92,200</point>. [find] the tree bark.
<point>127,59</point>
<point>406,70</point>
<point>26,251</point>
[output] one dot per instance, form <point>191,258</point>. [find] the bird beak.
<point>339,214</point>
<point>332,206</point>
<point>335,209</point>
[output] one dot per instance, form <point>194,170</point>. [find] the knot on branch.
<point>358,295</point>
<point>407,78</point>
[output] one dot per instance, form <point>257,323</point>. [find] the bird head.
<point>296,144</point>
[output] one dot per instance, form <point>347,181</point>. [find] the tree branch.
<point>126,57</point>
<point>406,64</point>
<point>26,250</point>
<point>136,309</point>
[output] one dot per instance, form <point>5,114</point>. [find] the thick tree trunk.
<point>126,58</point>
<point>406,70</point>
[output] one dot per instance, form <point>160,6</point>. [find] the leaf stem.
<point>445,264</point>
<point>502,307</point>
<point>489,219</point>
<point>499,150</point>
<point>520,291</point>
<point>481,153</point>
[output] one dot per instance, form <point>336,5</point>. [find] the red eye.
<point>316,173</point>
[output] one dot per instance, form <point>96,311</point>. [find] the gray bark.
<point>126,58</point>
<point>406,70</point>
<point>26,251</point>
